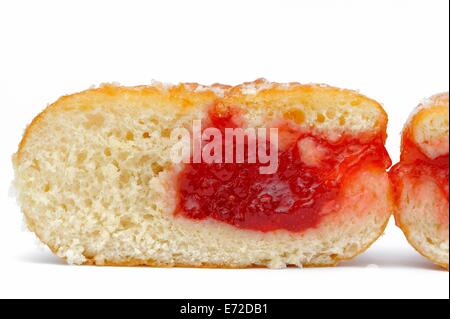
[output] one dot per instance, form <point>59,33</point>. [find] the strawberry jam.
<point>291,198</point>
<point>415,165</point>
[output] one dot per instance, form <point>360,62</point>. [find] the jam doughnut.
<point>257,175</point>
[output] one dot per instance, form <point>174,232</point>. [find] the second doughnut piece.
<point>421,180</point>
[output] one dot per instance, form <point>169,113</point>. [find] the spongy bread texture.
<point>422,210</point>
<point>428,126</point>
<point>96,184</point>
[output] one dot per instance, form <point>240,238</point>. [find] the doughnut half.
<point>421,180</point>
<point>97,183</point>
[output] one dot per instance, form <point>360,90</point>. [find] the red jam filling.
<point>290,199</point>
<point>416,165</point>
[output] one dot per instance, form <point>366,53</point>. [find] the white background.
<point>396,52</point>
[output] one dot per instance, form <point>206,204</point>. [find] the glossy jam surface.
<point>415,165</point>
<point>290,199</point>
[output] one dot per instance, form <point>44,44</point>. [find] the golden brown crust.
<point>275,91</point>
<point>185,95</point>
